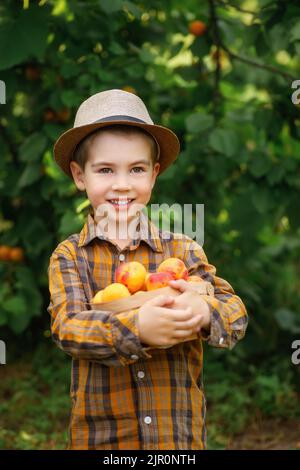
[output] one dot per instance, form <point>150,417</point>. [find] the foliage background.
<point>227,95</point>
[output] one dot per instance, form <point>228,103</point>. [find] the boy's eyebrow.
<point>144,162</point>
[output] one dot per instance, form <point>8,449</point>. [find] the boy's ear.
<point>155,173</point>
<point>78,175</point>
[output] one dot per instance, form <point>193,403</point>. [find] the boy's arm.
<point>229,318</point>
<point>112,340</point>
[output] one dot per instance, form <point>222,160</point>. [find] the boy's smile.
<point>118,176</point>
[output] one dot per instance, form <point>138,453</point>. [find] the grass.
<point>34,401</point>
<point>260,410</point>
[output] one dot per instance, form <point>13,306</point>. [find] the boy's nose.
<point>122,183</point>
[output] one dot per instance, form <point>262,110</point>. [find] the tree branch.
<point>217,41</point>
<point>236,7</point>
<point>9,144</point>
<point>220,44</point>
<point>270,68</point>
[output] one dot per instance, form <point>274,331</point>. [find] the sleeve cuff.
<point>125,336</point>
<point>217,336</point>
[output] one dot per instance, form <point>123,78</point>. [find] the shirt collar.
<point>148,233</point>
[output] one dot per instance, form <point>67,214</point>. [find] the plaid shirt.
<point>126,395</point>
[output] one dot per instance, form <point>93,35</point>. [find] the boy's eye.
<point>134,168</point>
<point>139,168</point>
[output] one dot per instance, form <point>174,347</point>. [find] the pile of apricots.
<point>132,277</point>
<point>11,253</point>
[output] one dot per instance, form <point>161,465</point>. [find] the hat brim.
<point>64,147</point>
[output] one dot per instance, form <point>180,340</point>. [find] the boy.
<point>127,391</point>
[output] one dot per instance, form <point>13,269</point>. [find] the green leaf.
<point>111,6</point>
<point>259,164</point>
<point>33,147</point>
<point>31,174</point>
<point>277,38</point>
<point>276,174</point>
<point>69,69</point>
<point>198,122</point>
<point>70,98</point>
<point>15,305</point>
<point>294,33</point>
<point>134,9</point>
<point>116,49</point>
<point>287,320</point>
<point>35,236</point>
<point>69,224</point>
<point>146,55</point>
<point>224,141</point>
<point>200,47</point>
<point>24,37</point>
<point>262,200</point>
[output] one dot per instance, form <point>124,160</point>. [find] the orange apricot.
<point>175,267</point>
<point>98,298</point>
<point>132,275</point>
<point>158,280</point>
<point>115,291</point>
<point>197,28</point>
<point>5,253</point>
<point>16,254</point>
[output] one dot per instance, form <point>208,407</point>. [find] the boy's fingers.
<point>179,284</point>
<point>182,315</point>
<point>161,300</point>
<point>182,325</point>
<point>182,333</point>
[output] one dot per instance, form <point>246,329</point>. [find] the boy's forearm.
<point>98,336</point>
<point>93,335</point>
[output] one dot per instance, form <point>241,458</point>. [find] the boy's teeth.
<point>121,202</point>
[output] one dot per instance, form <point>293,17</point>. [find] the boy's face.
<point>117,167</point>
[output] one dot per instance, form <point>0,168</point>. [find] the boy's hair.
<point>81,152</point>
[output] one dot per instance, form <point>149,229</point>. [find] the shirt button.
<point>134,356</point>
<point>121,257</point>
<point>141,374</point>
<point>147,420</point>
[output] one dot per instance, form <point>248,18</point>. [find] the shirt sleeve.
<point>84,333</point>
<point>229,318</point>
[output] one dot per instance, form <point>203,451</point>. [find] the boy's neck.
<point>126,239</point>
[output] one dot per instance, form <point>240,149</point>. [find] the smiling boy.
<point>109,176</point>
<point>126,391</point>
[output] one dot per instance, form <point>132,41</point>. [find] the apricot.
<point>98,298</point>
<point>197,28</point>
<point>5,253</point>
<point>63,115</point>
<point>129,89</point>
<point>32,73</point>
<point>175,267</point>
<point>49,115</point>
<point>115,291</point>
<point>132,275</point>
<point>16,254</point>
<point>194,278</point>
<point>158,280</point>
<point>144,287</point>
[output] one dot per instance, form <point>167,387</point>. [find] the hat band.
<point>124,117</point>
<point>120,117</point>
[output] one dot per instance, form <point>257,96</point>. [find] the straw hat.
<point>114,107</point>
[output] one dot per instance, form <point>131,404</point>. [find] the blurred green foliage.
<point>227,95</point>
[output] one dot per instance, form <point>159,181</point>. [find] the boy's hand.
<point>161,325</point>
<point>190,297</point>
